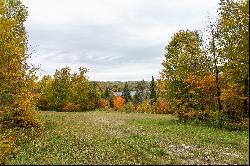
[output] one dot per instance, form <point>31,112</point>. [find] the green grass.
<point>127,138</point>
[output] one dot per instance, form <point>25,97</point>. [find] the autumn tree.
<point>198,82</point>
<point>118,102</point>
<point>80,90</point>
<point>61,87</point>
<point>67,92</point>
<point>94,94</point>
<point>45,93</point>
<point>184,57</point>
<point>215,57</point>
<point>233,42</point>
<point>17,107</point>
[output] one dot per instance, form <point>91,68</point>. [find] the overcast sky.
<point>115,39</point>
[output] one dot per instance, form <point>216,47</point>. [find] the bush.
<point>144,107</point>
<point>103,103</point>
<point>70,107</point>
<point>42,103</point>
<point>23,114</point>
<point>234,104</point>
<point>7,147</point>
<point>129,107</point>
<point>162,107</point>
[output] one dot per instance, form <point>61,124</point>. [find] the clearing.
<point>100,137</point>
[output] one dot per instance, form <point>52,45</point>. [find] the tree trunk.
<point>218,92</point>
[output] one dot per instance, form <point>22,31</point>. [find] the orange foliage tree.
<point>118,102</point>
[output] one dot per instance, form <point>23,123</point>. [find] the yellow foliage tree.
<point>17,107</point>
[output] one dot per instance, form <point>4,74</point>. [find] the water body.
<point>132,93</point>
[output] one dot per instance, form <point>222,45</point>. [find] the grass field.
<point>127,138</point>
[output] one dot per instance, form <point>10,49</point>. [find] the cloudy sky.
<point>115,39</point>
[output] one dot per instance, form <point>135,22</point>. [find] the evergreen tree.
<point>106,93</point>
<point>137,99</point>
<point>152,91</point>
<point>140,94</point>
<point>126,93</point>
<point>143,90</point>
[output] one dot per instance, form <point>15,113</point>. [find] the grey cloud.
<point>116,40</point>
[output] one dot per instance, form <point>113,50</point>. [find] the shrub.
<point>42,103</point>
<point>7,147</point>
<point>129,107</point>
<point>71,107</point>
<point>103,103</point>
<point>162,107</point>
<point>144,107</point>
<point>233,103</point>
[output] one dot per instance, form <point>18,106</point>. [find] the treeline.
<point>117,86</point>
<point>207,79</point>
<point>73,92</point>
